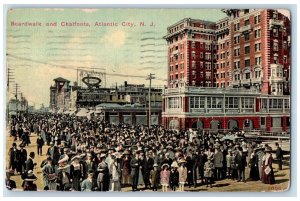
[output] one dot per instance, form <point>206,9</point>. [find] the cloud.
<point>89,10</point>
<point>115,38</point>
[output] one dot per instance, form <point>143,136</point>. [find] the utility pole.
<point>150,77</point>
<point>16,95</point>
<point>10,79</point>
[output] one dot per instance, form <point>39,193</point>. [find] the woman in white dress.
<point>115,175</point>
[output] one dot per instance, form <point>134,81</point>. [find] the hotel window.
<point>201,55</point>
<point>285,45</point>
<point>232,102</point>
<point>207,56</point>
<point>201,64</point>
<point>236,39</point>
<point>194,74</point>
<point>236,64</point>
<point>247,62</point>
<point>176,67</point>
<point>247,49</point>
<point>193,82</point>
<point>181,56</point>
<point>247,102</point>
<point>193,44</point>
<point>246,22</point>
<point>258,61</point>
<point>181,66</point>
<point>285,59</point>
<point>257,47</point>
<point>193,64</point>
<point>287,103</point>
<point>275,32</point>
<point>193,55</point>
<point>171,68</point>
<point>247,36</point>
<point>207,47</point>
<point>275,59</point>
<point>262,120</point>
<point>236,26</point>
<point>257,74</point>
<point>237,52</point>
<point>247,75</point>
<point>257,33</point>
<point>275,46</point>
<point>257,19</point>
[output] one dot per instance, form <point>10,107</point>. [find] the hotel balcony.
<point>246,82</point>
<point>274,22</point>
<point>277,79</point>
<point>246,28</point>
<point>257,80</point>
<point>235,83</point>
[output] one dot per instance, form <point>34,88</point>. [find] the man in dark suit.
<point>148,163</point>
<point>13,157</point>
<point>29,163</point>
<point>40,143</point>
<point>241,162</point>
<point>22,157</point>
<point>279,155</point>
<point>202,161</point>
<point>135,166</point>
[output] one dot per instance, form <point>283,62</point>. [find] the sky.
<point>37,55</point>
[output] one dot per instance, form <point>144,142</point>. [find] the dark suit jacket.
<point>279,154</point>
<point>29,165</point>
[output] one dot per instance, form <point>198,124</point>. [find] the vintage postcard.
<point>167,100</point>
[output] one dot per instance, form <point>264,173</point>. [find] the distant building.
<point>60,94</point>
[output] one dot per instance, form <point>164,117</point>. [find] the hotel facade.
<point>233,73</point>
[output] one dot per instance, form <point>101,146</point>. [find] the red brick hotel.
<point>231,73</point>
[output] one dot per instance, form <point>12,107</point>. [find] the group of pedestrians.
<point>94,155</point>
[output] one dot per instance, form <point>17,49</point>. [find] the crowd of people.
<point>93,155</point>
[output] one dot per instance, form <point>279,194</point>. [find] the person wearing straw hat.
<point>182,170</point>
<point>115,174</point>
<point>28,180</point>
<point>63,177</point>
<point>267,169</point>
<point>174,176</point>
<point>125,167</point>
<point>165,177</point>
<point>103,174</point>
<point>154,177</point>
<point>76,172</point>
<point>48,171</point>
<point>209,171</point>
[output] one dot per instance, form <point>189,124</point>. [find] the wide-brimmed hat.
<point>63,160</point>
<point>165,164</point>
<point>75,157</point>
<point>102,155</point>
<point>63,167</point>
<point>126,152</point>
<point>268,149</point>
<point>182,161</point>
<point>174,164</point>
